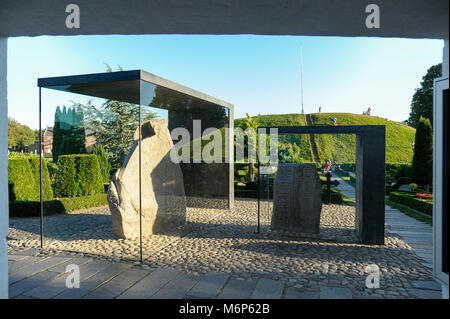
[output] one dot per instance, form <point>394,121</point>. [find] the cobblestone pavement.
<point>220,246</point>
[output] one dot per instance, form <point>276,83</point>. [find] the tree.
<point>76,141</point>
<point>57,147</point>
<point>422,101</point>
<point>69,136</point>
<point>113,124</point>
<point>249,123</point>
<point>105,166</point>
<point>19,135</point>
<point>422,167</point>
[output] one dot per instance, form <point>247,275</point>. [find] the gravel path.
<point>225,241</point>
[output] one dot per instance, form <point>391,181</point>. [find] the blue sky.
<point>258,74</point>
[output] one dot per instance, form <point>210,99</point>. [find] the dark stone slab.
<point>297,200</point>
<point>29,283</point>
<point>335,293</point>
<point>149,285</point>
<point>268,289</point>
<point>117,285</point>
<point>36,267</point>
<point>237,289</point>
<point>57,285</point>
<point>26,252</point>
<point>13,257</point>
<point>16,265</point>
<point>93,281</point>
<point>294,293</point>
<point>208,286</point>
<point>50,288</point>
<point>62,267</point>
<point>425,293</point>
<point>430,285</point>
<point>177,287</point>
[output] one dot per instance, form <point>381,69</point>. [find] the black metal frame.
<point>370,169</point>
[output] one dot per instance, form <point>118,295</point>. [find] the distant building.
<point>47,142</point>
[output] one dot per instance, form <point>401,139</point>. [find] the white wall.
<point>445,59</point>
<point>3,173</point>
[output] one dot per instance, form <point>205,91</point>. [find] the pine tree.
<point>422,167</point>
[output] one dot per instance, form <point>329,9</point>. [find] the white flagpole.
<point>301,76</point>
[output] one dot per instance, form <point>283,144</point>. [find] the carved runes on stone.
<point>297,199</point>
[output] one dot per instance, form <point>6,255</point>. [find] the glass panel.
<point>86,141</point>
<point>184,184</point>
<point>205,167</point>
<point>294,192</point>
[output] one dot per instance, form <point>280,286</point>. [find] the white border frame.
<point>440,84</point>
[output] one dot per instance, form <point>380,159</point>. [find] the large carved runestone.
<point>297,199</point>
<point>163,197</point>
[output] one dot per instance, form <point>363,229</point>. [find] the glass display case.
<point>137,151</point>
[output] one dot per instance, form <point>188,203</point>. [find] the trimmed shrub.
<point>65,179</point>
<point>23,179</point>
<point>105,166</point>
<point>336,197</point>
<point>409,199</point>
<point>47,191</point>
<point>57,206</point>
<point>71,204</point>
<point>20,180</point>
<point>422,167</point>
<point>33,208</point>
<point>78,175</point>
<point>52,169</point>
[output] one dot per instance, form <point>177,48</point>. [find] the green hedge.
<point>78,175</point>
<point>47,191</point>
<point>336,197</point>
<point>23,179</point>
<point>57,206</point>
<point>409,200</point>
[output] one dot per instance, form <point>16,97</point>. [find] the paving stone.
<point>335,293</point>
<point>91,268</point>
<point>430,285</point>
<point>50,288</point>
<point>14,257</point>
<point>268,289</point>
<point>27,252</point>
<point>425,293</point>
<point>208,286</point>
<point>58,284</point>
<point>61,268</point>
<point>177,287</point>
<point>36,267</point>
<point>93,281</point>
<point>14,266</point>
<point>29,283</point>
<point>117,285</point>
<point>294,293</point>
<point>149,285</point>
<point>237,289</point>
